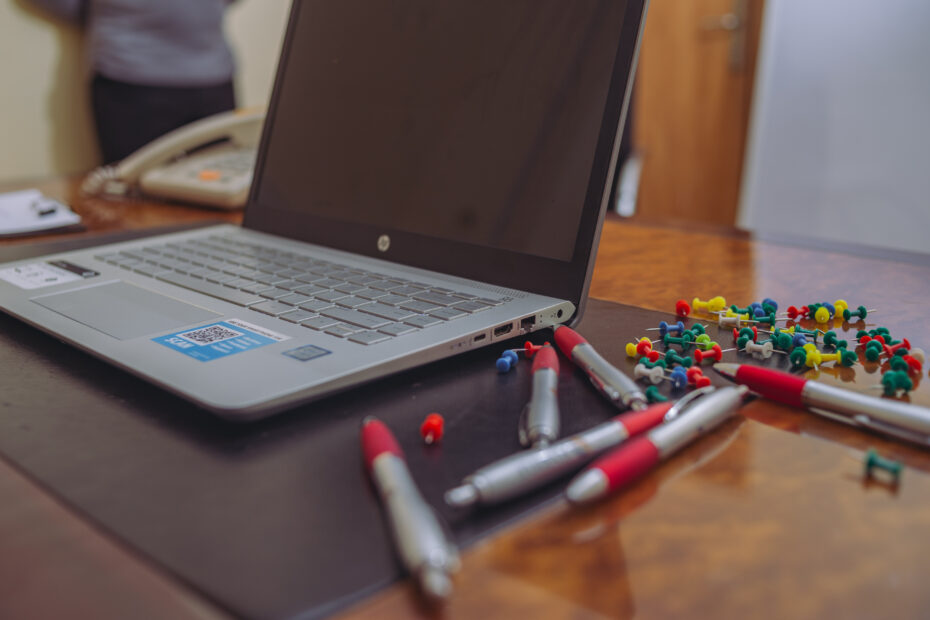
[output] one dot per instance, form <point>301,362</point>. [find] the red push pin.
<point>794,313</point>
<point>715,353</point>
<point>696,377</point>
<point>530,349</point>
<point>682,308</point>
<point>431,429</point>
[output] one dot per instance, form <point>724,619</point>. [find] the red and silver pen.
<point>539,424</point>
<point>619,388</point>
<point>895,418</point>
<point>634,458</point>
<point>527,470</point>
<point>421,542</point>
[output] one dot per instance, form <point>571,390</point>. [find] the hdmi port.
<point>500,330</point>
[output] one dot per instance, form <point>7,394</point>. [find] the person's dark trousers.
<point>129,116</point>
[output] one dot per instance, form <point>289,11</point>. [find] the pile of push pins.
<point>510,357</point>
<point>759,330</point>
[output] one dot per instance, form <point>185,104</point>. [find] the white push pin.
<point>761,349</point>
<point>654,374</point>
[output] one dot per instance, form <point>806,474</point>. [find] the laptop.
<point>431,179</point>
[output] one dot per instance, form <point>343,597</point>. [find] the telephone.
<point>208,162</point>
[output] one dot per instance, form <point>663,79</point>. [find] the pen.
<point>901,420</point>
<point>616,386</point>
<point>539,424</point>
<point>420,539</point>
<point>524,471</point>
<point>634,458</point>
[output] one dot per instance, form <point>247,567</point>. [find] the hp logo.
<point>384,242</point>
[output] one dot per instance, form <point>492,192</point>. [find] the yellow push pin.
<point>822,315</point>
<point>839,305</point>
<point>711,306</point>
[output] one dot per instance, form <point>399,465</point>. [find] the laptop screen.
<point>471,122</point>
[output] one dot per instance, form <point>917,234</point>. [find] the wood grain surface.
<point>768,516</point>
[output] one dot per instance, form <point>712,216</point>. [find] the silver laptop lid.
<point>471,137</point>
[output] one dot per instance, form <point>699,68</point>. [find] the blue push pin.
<point>665,328</point>
<point>757,309</point>
<point>799,340</point>
<point>679,377</point>
<point>506,361</point>
<point>768,301</point>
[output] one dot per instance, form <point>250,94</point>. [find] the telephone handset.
<point>217,175</point>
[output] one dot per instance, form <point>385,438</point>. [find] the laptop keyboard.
<point>364,307</point>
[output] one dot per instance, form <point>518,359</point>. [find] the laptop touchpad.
<point>124,310</point>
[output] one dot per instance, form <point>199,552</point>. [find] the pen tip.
<point>368,420</point>
<point>435,584</point>
<point>462,496</point>
<point>727,370</point>
<point>587,487</point>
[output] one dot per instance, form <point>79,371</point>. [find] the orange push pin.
<point>712,305</point>
<point>431,429</point>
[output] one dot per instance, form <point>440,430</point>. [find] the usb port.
<point>480,337</point>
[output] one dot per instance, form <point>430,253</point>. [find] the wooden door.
<point>691,107</point>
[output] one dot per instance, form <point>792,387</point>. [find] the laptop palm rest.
<point>124,310</point>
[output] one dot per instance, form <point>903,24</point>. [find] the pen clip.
<point>685,401</point>
<point>893,430</point>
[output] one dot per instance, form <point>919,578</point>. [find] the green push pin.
<point>702,340</point>
<point>848,358</point>
<point>895,380</point>
<point>673,358</point>
<point>898,363</point>
<point>685,341</point>
<point>859,312</point>
<point>798,358</point>
<point>650,364</point>
<point>741,342</point>
<point>739,310</point>
<point>747,332</point>
<point>653,396</point>
<point>771,319</point>
<point>830,339</point>
<point>874,461</point>
<point>697,329</point>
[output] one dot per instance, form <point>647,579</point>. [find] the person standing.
<point>156,65</point>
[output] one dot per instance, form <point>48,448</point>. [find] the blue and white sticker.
<point>216,340</point>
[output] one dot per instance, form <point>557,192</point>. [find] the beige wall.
<point>45,122</point>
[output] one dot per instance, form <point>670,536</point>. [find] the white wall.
<point>840,139</point>
<point>45,120</point>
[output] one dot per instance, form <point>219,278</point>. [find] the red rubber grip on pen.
<point>638,422</point>
<point>772,384</point>
<point>546,358</point>
<point>567,339</point>
<point>377,439</point>
<point>628,462</point>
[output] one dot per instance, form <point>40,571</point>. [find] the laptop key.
<point>387,312</point>
<point>471,306</point>
<point>319,323</point>
<point>418,306</point>
<point>422,320</point>
<point>309,289</point>
<point>275,293</point>
<point>240,298</point>
<point>294,299</point>
<point>436,298</point>
<point>148,269</point>
<point>273,308</point>
<point>331,296</point>
<point>352,302</point>
<point>408,291</point>
<point>296,316</point>
<point>368,337</point>
<point>392,300</point>
<point>447,314</point>
<point>397,329</point>
<point>354,317</point>
<point>340,331</point>
<point>315,305</point>
<point>371,293</point>
<point>255,287</point>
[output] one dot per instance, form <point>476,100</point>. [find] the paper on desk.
<point>28,211</point>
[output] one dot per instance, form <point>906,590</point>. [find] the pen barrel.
<point>618,387</point>
<point>903,415</point>
<point>541,420</point>
<point>420,540</point>
<point>703,415</point>
<point>525,471</point>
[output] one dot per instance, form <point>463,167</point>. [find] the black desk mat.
<point>275,519</point>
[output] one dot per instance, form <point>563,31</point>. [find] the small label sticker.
<point>84,272</point>
<point>307,352</point>
<point>221,339</point>
<point>37,275</point>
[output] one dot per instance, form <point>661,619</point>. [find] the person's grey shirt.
<point>153,42</point>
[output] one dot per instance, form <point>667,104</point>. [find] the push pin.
<point>761,349</point>
<point>859,312</point>
<point>653,396</point>
<point>506,361</point>
<point>822,315</point>
<point>714,304</point>
<point>685,341</point>
<point>673,358</point>
<point>840,306</point>
<point>873,461</point>
<point>664,328</point>
<point>830,339</point>
<point>431,429</point>
<point>714,353</point>
<point>894,381</point>
<point>794,313</point>
<point>697,329</point>
<point>655,374</point>
<point>682,308</point>
<point>696,377</point>
<point>639,348</point>
<point>841,357</point>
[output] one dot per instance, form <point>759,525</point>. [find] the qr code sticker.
<point>210,334</point>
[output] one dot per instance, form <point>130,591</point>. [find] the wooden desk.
<point>766,517</point>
